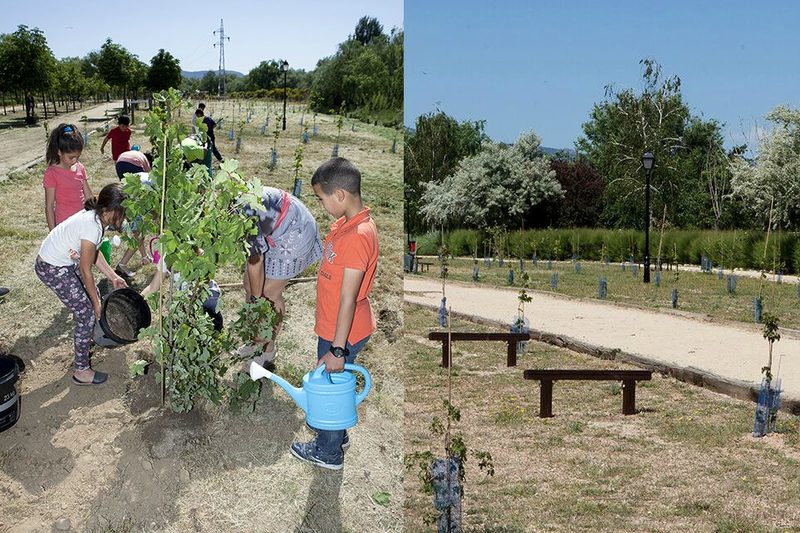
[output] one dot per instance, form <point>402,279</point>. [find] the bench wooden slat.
<point>473,336</point>
<point>546,377</point>
<point>596,375</point>
<point>510,338</point>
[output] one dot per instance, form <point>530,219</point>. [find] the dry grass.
<point>684,462</point>
<point>110,460</point>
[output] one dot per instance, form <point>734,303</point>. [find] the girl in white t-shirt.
<point>64,264</point>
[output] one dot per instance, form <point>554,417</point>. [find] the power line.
<point>221,68</point>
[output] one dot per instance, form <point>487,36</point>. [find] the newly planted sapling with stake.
<point>339,124</point>
<point>444,261</point>
<point>298,166</point>
<point>177,206</point>
<point>520,323</point>
<point>769,393</point>
<point>273,162</point>
<point>445,477</point>
<point>239,136</point>
<point>771,333</point>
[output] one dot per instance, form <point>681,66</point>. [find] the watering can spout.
<point>298,395</point>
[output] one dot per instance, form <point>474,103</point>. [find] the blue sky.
<point>301,32</point>
<point>539,65</point>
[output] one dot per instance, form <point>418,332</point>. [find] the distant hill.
<point>197,74</point>
<point>570,152</point>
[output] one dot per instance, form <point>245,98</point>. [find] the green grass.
<point>697,292</point>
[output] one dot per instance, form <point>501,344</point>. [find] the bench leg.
<point>546,398</point>
<point>445,354</point>
<point>629,397</point>
<point>511,360</point>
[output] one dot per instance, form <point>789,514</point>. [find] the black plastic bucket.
<point>9,399</point>
<point>123,314</point>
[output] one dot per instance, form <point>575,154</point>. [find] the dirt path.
<point>22,146</point>
<point>733,351</point>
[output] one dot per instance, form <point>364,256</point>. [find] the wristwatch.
<point>339,352</point>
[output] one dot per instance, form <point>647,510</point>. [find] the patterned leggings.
<point>67,283</point>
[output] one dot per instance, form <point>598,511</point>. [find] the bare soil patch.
<point>108,458</point>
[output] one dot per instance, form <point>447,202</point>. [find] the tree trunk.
<point>4,104</point>
<point>55,107</point>
<point>44,105</point>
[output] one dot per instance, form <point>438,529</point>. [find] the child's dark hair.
<point>198,113</point>
<point>149,157</point>
<point>109,199</point>
<point>66,139</point>
<point>202,106</point>
<point>337,173</point>
<point>124,120</point>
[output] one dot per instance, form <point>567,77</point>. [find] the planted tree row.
<point>743,249</point>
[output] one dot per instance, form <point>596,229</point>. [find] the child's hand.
<point>119,283</point>
<point>332,364</point>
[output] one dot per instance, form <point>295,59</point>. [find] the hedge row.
<point>729,249</point>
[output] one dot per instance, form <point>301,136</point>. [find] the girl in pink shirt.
<point>65,183</point>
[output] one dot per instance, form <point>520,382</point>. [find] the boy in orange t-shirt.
<point>344,318</point>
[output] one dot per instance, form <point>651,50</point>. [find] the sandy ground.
<point>736,351</point>
<point>25,145</point>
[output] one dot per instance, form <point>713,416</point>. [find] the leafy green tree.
<point>202,227</point>
<point>365,74</point>
<point>498,186</point>
<point>26,62</point>
<point>208,83</point>
<point>775,177</point>
<point>368,29</point>
<point>627,124</point>
<point>118,68</point>
<point>432,151</point>
<point>267,75</point>
<point>69,80</point>
<point>165,72</point>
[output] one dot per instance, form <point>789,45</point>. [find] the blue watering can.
<point>329,400</point>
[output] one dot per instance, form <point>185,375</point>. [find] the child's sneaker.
<point>307,451</point>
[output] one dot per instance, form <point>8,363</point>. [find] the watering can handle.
<point>367,380</point>
<point>358,368</point>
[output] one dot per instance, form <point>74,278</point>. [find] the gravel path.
<point>730,350</point>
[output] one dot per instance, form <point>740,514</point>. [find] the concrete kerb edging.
<point>741,390</point>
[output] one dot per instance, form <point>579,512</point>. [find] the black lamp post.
<point>285,69</point>
<point>407,194</point>
<point>648,159</point>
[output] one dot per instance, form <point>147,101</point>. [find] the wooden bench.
<point>426,265</point>
<point>511,338</point>
<point>627,377</point>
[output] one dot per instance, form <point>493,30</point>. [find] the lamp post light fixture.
<point>285,69</point>
<point>648,160</point>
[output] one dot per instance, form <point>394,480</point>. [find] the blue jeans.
<point>329,443</point>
